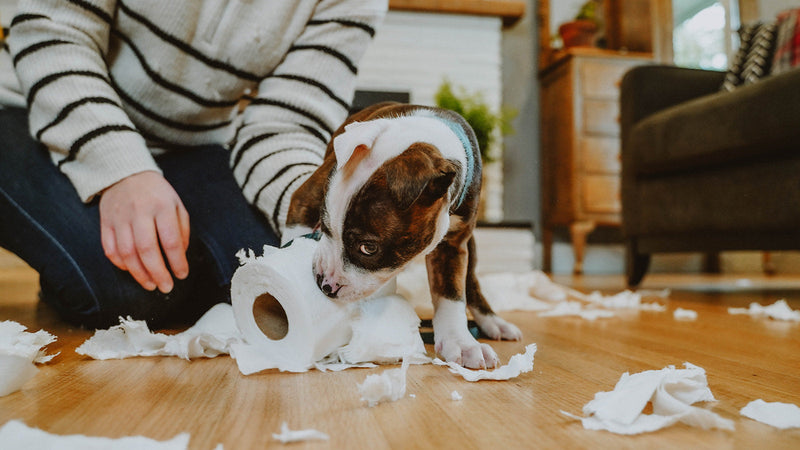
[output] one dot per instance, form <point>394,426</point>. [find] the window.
<point>705,32</point>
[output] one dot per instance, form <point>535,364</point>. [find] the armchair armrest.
<point>648,89</point>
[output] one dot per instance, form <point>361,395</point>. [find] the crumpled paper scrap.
<point>216,334</point>
<point>517,365</point>
<point>684,314</point>
<point>19,352</point>
<point>456,397</point>
<point>396,338</point>
<point>534,291</point>
<point>211,336</point>
<point>574,308</point>
<point>389,386</point>
<point>15,435</point>
<point>286,435</point>
<point>779,310</point>
<point>671,391</point>
<point>776,414</point>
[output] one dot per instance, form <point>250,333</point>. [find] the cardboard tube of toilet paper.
<point>286,321</point>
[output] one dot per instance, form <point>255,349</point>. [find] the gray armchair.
<point>707,171</point>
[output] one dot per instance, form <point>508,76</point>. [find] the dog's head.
<point>387,201</point>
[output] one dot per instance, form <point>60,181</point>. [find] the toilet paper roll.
<point>286,321</point>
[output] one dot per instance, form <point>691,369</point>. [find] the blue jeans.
<point>44,222</point>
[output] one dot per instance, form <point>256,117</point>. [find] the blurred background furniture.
<point>704,170</point>
<point>580,144</point>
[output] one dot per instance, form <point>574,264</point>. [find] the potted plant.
<point>476,112</point>
<point>581,31</point>
<point>486,124</point>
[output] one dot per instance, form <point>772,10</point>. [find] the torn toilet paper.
<point>456,397</point>
<point>15,435</point>
<point>684,314</point>
<point>280,319</point>
<point>671,391</point>
<point>518,364</point>
<point>389,386</point>
<point>19,352</point>
<point>286,435</point>
<point>575,308</point>
<point>535,291</point>
<point>777,414</point>
<point>211,336</point>
<point>292,325</point>
<point>779,310</point>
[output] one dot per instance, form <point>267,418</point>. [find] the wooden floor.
<point>745,359</point>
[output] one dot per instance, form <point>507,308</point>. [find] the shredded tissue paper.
<point>535,291</point>
<point>16,435</point>
<point>670,391</point>
<point>518,364</point>
<point>779,310</point>
<point>287,436</point>
<point>389,386</point>
<point>684,314</point>
<point>776,414</point>
<point>20,351</point>
<point>279,319</point>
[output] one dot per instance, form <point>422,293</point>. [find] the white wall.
<point>416,52</point>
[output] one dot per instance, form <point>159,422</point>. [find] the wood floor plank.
<point>745,359</point>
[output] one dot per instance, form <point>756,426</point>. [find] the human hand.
<point>139,216</point>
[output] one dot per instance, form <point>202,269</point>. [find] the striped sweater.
<point>111,83</point>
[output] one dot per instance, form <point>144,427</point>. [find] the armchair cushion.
<point>747,125</point>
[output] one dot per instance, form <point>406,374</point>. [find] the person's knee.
<point>100,302</point>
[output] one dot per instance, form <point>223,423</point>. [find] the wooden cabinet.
<point>580,144</point>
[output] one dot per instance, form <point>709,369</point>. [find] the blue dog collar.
<point>469,170</point>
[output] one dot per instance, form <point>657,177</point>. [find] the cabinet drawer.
<point>601,79</point>
<point>601,194</point>
<point>600,154</point>
<point>601,117</point>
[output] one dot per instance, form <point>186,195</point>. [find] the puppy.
<point>400,181</point>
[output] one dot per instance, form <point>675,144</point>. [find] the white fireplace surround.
<point>416,51</point>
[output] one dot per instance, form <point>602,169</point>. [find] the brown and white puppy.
<point>400,181</point>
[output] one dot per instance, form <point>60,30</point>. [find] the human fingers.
<point>149,252</point>
<point>170,235</point>
<point>183,219</point>
<point>128,252</point>
<point>109,241</point>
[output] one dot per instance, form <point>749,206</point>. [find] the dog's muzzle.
<point>327,287</point>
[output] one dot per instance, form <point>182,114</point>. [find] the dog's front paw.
<point>496,327</point>
<point>467,352</point>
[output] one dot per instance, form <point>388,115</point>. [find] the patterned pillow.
<point>753,60</point>
<point>787,42</point>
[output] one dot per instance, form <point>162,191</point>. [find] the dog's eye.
<point>368,248</point>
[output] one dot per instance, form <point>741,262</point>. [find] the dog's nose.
<point>327,288</point>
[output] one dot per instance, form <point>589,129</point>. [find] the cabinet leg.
<point>767,265</point>
<point>547,249</point>
<point>578,232</point>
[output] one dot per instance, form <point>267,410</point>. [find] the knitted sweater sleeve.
<point>58,49</point>
<point>286,127</point>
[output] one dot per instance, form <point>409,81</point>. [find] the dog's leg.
<point>447,273</point>
<point>492,326</point>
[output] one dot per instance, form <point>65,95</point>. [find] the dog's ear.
<point>419,175</point>
<point>356,135</point>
